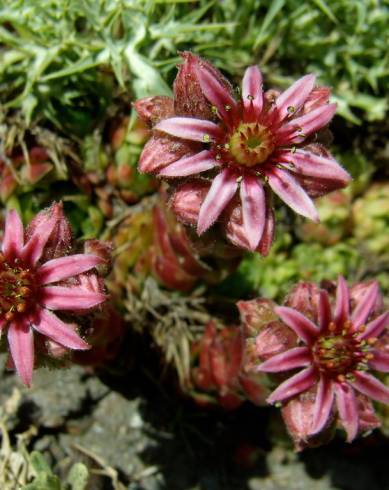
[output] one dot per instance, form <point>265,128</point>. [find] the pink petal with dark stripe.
<point>298,129</point>
<point>55,329</point>
<point>253,200</point>
<point>290,359</point>
<point>380,362</point>
<point>298,383</point>
<point>324,310</point>
<point>222,190</point>
<point>161,150</point>
<point>252,94</point>
<point>365,305</point>
<point>21,344</point>
<point>375,327</point>
<point>190,129</point>
<point>341,312</point>
<point>323,405</point>
<point>293,98</point>
<point>195,164</point>
<point>308,164</point>
<point>74,298</point>
<point>348,410</point>
<point>290,191</point>
<point>217,94</point>
<point>13,234</point>
<point>269,230</point>
<point>64,267</point>
<point>302,326</point>
<point>34,247</point>
<point>370,386</point>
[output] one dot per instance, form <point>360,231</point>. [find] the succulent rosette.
<point>233,153</point>
<point>37,277</point>
<point>217,377</point>
<point>335,344</point>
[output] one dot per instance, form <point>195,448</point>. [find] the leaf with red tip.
<point>64,267</point>
<point>252,94</point>
<point>291,100</point>
<point>72,298</point>
<point>370,386</point>
<point>219,195</point>
<point>13,234</point>
<point>55,329</point>
<point>300,324</point>
<point>342,304</point>
<point>290,359</point>
<point>298,383</point>
<point>190,129</point>
<point>291,192</point>
<point>365,306</point>
<point>194,164</point>
<point>323,405</point>
<point>254,209</point>
<point>347,408</point>
<point>21,344</point>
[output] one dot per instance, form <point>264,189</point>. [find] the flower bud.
<point>153,109</point>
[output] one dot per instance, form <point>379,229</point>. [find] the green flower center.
<point>251,144</point>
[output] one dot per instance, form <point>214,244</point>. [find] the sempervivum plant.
<point>334,344</point>
<point>237,151</point>
<point>38,277</point>
<point>216,377</point>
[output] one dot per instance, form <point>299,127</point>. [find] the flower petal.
<point>298,129</point>
<point>34,247</point>
<point>365,305</point>
<point>194,164</point>
<point>55,329</point>
<point>323,405</point>
<point>64,267</point>
<point>73,298</point>
<point>380,362</point>
<point>253,200</point>
<point>217,94</point>
<point>13,234</point>
<point>161,150</point>
<point>291,100</point>
<point>375,327</point>
<point>252,94</point>
<point>342,304</point>
<point>347,408</point>
<point>370,386</point>
<point>21,344</point>
<point>290,359</point>
<point>219,195</point>
<point>302,326</point>
<point>298,383</point>
<point>290,191</point>
<point>324,309</point>
<point>268,232</point>
<point>190,129</point>
<point>308,164</point>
